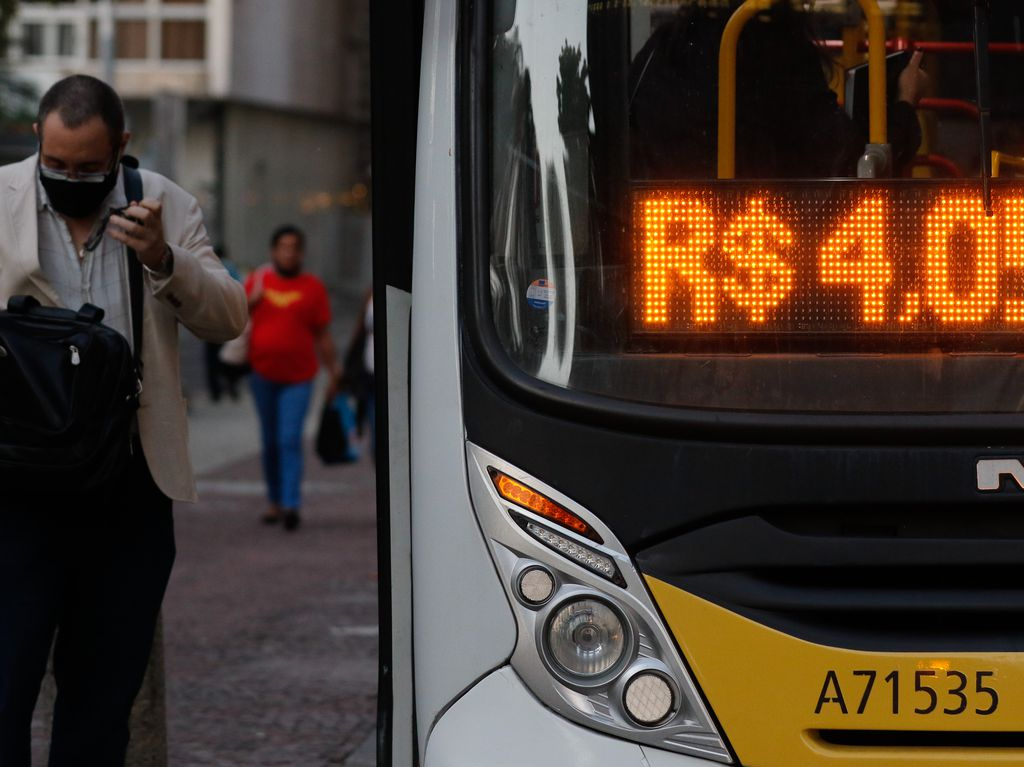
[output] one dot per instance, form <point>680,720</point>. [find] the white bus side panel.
<point>402,740</point>
<point>500,724</point>
<point>462,623</point>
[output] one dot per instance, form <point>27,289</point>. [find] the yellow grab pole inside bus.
<point>1000,159</point>
<point>727,79</point>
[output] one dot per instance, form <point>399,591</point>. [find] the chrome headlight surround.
<point>522,542</point>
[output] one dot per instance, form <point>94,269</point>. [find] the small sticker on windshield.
<point>540,294</point>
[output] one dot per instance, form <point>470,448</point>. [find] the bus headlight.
<point>591,644</point>
<point>648,699</point>
<point>586,638</point>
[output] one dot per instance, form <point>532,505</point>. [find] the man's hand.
<point>257,292</point>
<point>325,346</point>
<point>141,228</point>
<point>913,81</point>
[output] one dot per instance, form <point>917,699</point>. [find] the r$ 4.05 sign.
<point>829,259</point>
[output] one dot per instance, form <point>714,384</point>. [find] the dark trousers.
<point>92,569</point>
<point>213,371</point>
<point>219,374</point>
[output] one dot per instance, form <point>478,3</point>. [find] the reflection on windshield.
<point>545,145</point>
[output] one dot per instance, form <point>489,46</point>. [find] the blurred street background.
<point>270,637</point>
<point>260,108</point>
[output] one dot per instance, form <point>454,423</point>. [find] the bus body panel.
<point>399,309</point>
<point>394,100</point>
<point>500,724</point>
<point>462,624</point>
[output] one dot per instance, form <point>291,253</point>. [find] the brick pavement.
<point>271,637</point>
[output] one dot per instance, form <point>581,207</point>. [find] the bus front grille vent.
<point>909,579</point>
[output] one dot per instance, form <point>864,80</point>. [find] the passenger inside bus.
<point>789,121</point>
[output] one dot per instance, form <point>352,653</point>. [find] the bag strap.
<point>22,304</point>
<point>133,191</point>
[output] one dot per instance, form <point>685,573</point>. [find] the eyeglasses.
<point>63,175</point>
<point>94,239</point>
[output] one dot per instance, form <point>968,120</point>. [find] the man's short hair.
<point>284,231</point>
<point>78,99</point>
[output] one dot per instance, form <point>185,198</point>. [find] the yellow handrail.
<point>727,79</point>
<point>1002,158</point>
<point>877,103</point>
<point>727,84</point>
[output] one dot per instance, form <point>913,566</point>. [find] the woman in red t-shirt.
<point>290,315</point>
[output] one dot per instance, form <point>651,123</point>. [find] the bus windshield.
<point>709,204</point>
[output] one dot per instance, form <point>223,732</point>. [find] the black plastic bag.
<point>332,438</point>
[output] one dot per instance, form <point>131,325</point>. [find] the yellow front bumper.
<point>786,702</point>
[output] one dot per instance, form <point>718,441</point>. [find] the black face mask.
<point>78,199</point>
<point>288,272</point>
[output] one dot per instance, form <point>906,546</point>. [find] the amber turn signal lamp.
<point>516,492</point>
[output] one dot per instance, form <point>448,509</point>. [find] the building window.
<point>33,39</point>
<point>66,40</point>
<point>130,39</point>
<point>183,40</point>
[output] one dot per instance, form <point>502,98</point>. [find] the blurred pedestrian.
<point>219,374</point>
<point>357,377</point>
<point>290,329</point>
<point>90,566</point>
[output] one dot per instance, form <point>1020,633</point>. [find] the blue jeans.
<point>282,411</point>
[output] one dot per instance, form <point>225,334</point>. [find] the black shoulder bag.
<point>69,388</point>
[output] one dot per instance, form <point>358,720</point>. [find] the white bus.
<point>700,382</point>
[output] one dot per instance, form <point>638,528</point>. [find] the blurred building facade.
<point>259,107</point>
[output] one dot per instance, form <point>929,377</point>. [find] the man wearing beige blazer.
<point>91,567</point>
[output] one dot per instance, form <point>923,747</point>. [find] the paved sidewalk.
<point>271,637</point>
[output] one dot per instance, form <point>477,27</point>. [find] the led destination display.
<point>832,259</point>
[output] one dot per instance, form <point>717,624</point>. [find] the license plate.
<point>936,690</point>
